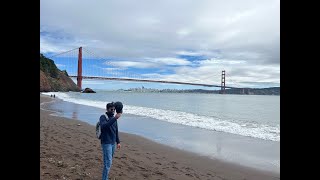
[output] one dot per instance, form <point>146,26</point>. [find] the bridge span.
<point>148,80</point>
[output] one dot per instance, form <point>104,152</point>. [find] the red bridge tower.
<point>79,78</point>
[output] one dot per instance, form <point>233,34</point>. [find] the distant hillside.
<point>252,91</point>
<point>52,79</point>
<point>249,91</point>
<point>255,91</point>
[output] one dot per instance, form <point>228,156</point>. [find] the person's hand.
<point>118,115</point>
<point>118,146</point>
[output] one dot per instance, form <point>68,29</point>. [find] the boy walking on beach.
<point>109,135</point>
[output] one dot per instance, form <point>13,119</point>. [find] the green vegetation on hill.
<point>48,67</point>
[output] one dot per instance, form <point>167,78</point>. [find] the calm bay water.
<point>240,128</point>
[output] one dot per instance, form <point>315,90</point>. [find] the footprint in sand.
<point>159,173</point>
<point>90,150</point>
<point>189,175</point>
<point>134,161</point>
<point>173,162</point>
<point>141,167</point>
<point>76,155</point>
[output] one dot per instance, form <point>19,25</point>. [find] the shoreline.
<point>70,150</point>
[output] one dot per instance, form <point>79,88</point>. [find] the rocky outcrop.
<point>52,79</point>
<point>62,83</point>
<point>45,85</point>
<point>88,90</point>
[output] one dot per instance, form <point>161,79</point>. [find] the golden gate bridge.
<point>75,62</point>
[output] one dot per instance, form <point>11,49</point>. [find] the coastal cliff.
<point>52,79</point>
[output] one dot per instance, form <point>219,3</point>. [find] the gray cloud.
<point>245,31</point>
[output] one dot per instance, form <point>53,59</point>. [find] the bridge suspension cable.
<point>63,53</point>
<point>94,66</point>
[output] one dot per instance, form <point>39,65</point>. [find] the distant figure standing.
<point>54,96</point>
<point>50,95</point>
<point>109,135</point>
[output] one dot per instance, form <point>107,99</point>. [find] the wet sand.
<point>70,150</point>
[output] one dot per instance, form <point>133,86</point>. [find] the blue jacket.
<point>109,130</point>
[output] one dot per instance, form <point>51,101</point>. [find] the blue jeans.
<point>108,151</point>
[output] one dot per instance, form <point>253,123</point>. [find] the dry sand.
<point>70,150</point>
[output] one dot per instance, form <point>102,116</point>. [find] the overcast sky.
<point>192,40</point>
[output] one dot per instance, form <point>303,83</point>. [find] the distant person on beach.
<point>109,135</point>
<point>54,96</point>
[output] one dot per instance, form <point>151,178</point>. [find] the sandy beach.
<point>70,150</point>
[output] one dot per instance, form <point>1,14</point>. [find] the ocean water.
<point>244,129</point>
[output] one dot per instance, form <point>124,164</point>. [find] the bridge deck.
<point>148,80</point>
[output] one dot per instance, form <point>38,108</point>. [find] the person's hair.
<point>109,105</point>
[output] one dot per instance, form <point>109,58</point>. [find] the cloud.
<point>153,34</point>
<point>149,63</point>
<point>133,64</point>
<point>168,61</point>
<point>236,76</point>
<point>188,53</point>
<point>60,65</point>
